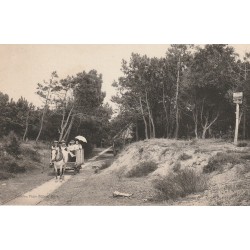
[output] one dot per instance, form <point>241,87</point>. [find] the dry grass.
<point>180,184</point>
<point>234,194</point>
<point>27,159</point>
<point>177,166</point>
<point>5,175</point>
<point>105,164</point>
<point>10,164</point>
<point>184,157</point>
<point>242,144</point>
<point>31,153</point>
<point>142,169</point>
<point>217,162</point>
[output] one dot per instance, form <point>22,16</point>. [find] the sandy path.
<point>38,194</point>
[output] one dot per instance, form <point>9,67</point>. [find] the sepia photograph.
<point>124,125</point>
<point>120,125</point>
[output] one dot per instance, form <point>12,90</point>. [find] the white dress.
<point>79,154</point>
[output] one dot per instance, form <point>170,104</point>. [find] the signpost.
<point>237,98</point>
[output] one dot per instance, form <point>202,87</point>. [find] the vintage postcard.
<point>114,125</point>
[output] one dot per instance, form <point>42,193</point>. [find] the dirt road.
<point>38,194</point>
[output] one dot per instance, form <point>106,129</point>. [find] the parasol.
<point>81,138</point>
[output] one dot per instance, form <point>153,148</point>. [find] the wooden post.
<point>236,123</point>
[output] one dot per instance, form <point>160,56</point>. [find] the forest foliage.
<point>185,94</point>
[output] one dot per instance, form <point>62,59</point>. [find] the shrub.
<point>165,151</point>
<point>193,142</point>
<point>176,166</point>
<point>245,157</point>
<point>180,184</point>
<point>242,144</point>
<point>11,144</point>
<point>142,169</point>
<point>217,162</point>
<point>88,150</point>
<point>5,176</point>
<point>32,154</point>
<point>184,157</point>
<point>106,164</point>
<point>10,164</point>
<point>197,151</point>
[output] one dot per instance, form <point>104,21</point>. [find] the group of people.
<point>74,149</point>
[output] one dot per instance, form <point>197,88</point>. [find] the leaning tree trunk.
<point>151,120</point>
<point>66,135</point>
<point>41,125</point>
<point>206,126</point>
<point>144,119</point>
<point>26,126</point>
<point>64,123</point>
<point>43,115</point>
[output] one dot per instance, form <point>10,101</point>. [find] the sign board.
<point>237,97</point>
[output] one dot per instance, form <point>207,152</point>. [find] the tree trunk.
<point>195,118</point>
<point>196,131</point>
<point>66,135</point>
<point>166,127</point>
<point>151,120</point>
<point>43,115</point>
<point>244,124</point>
<point>41,125</point>
<point>150,127</point>
<point>64,124</point>
<point>206,126</point>
<point>204,133</point>
<point>177,98</point>
<point>136,132</point>
<point>144,119</point>
<point>26,126</point>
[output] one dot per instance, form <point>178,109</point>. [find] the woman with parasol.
<point>79,149</point>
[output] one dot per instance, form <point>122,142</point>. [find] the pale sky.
<point>23,66</point>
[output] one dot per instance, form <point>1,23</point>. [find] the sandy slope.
<point>166,152</point>
<point>227,187</point>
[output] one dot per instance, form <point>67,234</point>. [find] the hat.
<point>72,141</point>
<point>62,141</point>
<point>55,141</point>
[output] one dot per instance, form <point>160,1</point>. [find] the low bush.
<point>88,150</point>
<point>217,162</point>
<point>193,142</point>
<point>40,145</point>
<point>242,144</point>
<point>180,184</point>
<point>184,157</point>
<point>11,165</point>
<point>106,164</point>
<point>165,151</point>
<point>142,169</point>
<point>32,154</point>
<point>5,175</point>
<point>176,166</point>
<point>245,157</point>
<point>11,144</point>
